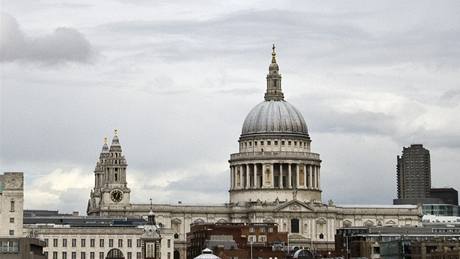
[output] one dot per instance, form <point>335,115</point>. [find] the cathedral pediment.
<point>294,206</point>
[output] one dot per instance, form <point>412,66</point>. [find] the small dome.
<point>273,118</point>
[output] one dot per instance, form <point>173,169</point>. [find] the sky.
<point>177,78</point>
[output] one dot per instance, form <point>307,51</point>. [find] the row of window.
<point>9,247</point>
<point>269,142</point>
<point>86,255</point>
<point>262,229</point>
<point>92,242</point>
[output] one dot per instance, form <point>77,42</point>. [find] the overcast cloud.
<point>178,78</point>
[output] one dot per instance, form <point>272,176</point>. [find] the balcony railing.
<point>274,155</point>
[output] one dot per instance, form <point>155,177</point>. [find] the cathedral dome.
<point>274,118</point>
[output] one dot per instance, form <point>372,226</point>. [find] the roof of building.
<point>207,254</point>
<point>53,218</point>
<point>274,116</point>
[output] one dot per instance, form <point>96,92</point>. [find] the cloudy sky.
<point>177,78</point>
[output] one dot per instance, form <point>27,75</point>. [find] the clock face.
<point>116,195</point>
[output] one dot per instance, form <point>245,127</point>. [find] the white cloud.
<point>65,189</point>
<point>63,45</point>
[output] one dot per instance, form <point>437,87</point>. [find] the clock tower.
<point>110,194</point>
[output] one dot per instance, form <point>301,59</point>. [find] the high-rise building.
<point>414,173</point>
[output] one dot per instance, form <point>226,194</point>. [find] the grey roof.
<point>274,117</point>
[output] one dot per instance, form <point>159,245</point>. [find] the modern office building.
<point>413,175</point>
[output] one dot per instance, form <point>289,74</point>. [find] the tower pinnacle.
<point>273,54</point>
<point>274,92</point>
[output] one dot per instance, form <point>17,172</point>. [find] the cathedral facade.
<point>274,178</point>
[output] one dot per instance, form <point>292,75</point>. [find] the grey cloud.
<point>317,38</point>
<point>64,44</point>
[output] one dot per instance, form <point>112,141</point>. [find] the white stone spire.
<point>274,92</point>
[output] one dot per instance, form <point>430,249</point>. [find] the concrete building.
<point>380,242</point>
<point>274,178</point>
<point>414,176</point>
<point>13,243</point>
<point>11,204</point>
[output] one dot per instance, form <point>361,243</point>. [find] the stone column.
<point>281,176</point>
<point>309,177</point>
<point>231,177</point>
<point>248,177</point>
<point>319,178</point>
<point>272,172</point>
<point>305,176</point>
<point>240,167</point>
<point>316,177</point>
<point>297,176</point>
<point>263,175</point>
<point>255,175</point>
<point>289,176</point>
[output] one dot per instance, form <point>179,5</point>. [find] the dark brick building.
<point>231,240</point>
<point>447,195</point>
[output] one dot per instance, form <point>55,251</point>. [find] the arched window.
<point>115,254</point>
<point>294,225</point>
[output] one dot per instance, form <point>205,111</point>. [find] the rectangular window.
<point>46,242</point>
<point>64,242</point>
<point>130,256</point>
<point>262,238</point>
<point>91,255</point>
<point>138,243</point>
<point>276,142</point>
<point>110,242</point>
<point>270,230</point>
<point>11,220</point>
<point>282,142</point>
<point>11,232</point>
<point>120,242</point>
<point>101,242</point>
<point>101,255</point>
<point>138,255</point>
<point>83,242</point>
<point>262,230</point>
<point>269,142</point>
<point>64,255</point>
<point>12,206</point>
<point>46,254</point>
<point>82,255</point>
<point>74,242</point>
<point>74,255</point>
<point>261,143</point>
<point>169,243</point>
<point>130,242</point>
<point>251,230</point>
<point>169,255</point>
<point>55,242</point>
<point>55,255</point>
